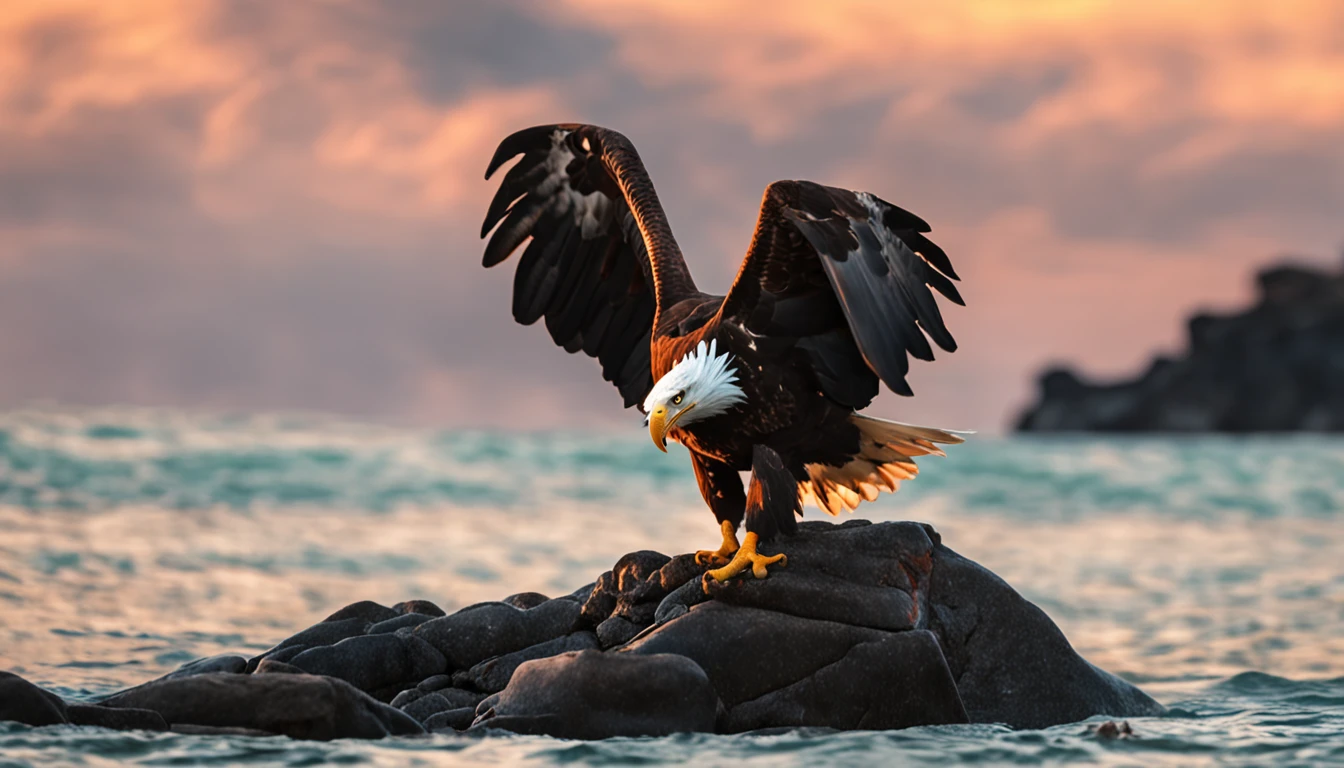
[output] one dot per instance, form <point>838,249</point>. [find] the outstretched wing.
<point>587,270</point>
<point>849,276</point>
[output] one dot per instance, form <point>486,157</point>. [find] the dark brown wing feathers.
<point>845,277</point>
<point>585,270</point>
<point>849,274</point>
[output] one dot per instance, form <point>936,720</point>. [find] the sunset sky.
<point>274,206</point>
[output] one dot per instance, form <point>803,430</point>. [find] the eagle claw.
<point>747,557</point>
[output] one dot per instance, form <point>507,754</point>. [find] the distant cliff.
<point>1276,367</point>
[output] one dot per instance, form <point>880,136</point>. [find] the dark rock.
<point>222,663</point>
<point>281,656</point>
<point>615,631</point>
<point>582,594</point>
<point>327,632</point>
<point>367,610</point>
<point>595,695</point>
<point>490,629</point>
<point>870,626</point>
<point>421,607</point>
<point>1275,367</point>
<point>625,599</point>
<point>680,600</point>
<point>406,697</point>
<point>435,682</point>
<point>407,620</point>
<point>635,568</point>
<point>750,652</point>
<point>225,663</point>
<point>456,697</point>
<point>1011,663</point>
<point>601,599</point>
<point>678,571</point>
<point>211,730</point>
<point>525,600</point>
<point>493,674</point>
<point>638,579</point>
<point>116,718</point>
<point>461,698</point>
<point>865,576</point>
<point>373,662</point>
<point>273,667</point>
<point>23,702</point>
<point>425,706</point>
<point>1110,730</point>
<point>456,719</point>
<point>898,681</point>
<point>387,693</point>
<point>298,706</point>
<point>858,584</point>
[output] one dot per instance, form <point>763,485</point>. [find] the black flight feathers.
<point>878,269</point>
<point>580,272</point>
<point>847,276</point>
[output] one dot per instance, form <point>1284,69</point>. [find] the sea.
<point>1207,570</point>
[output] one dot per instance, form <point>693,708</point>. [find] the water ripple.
<point>1206,570</point>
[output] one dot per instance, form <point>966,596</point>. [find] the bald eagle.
<point>833,296</point>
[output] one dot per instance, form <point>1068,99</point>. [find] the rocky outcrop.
<point>298,706</point>
<point>594,695</point>
<point>868,627</point>
<point>1276,367</point>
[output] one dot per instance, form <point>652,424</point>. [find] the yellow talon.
<point>747,557</point>
<point>724,553</point>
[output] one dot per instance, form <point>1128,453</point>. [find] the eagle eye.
<point>677,398</point>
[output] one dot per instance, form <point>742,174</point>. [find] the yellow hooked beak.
<point>660,424</point>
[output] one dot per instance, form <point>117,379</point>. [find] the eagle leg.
<point>725,552</point>
<point>772,503</point>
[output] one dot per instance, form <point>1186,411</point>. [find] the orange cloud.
<point>1277,64</point>
<point>1094,168</point>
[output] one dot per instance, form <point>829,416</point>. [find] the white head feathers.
<point>704,379</point>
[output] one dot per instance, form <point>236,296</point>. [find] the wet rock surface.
<point>868,627</point>
<point>299,706</point>
<point>1276,367</point>
<point>595,695</point>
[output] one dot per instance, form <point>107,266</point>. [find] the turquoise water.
<point>1209,571</point>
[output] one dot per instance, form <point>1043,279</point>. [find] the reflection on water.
<point>133,541</point>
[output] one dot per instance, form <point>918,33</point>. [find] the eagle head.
<point>702,385</point>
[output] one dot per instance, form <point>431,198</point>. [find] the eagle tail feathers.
<point>887,450</point>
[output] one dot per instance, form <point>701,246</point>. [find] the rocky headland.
<point>1276,367</point>
<point>871,626</point>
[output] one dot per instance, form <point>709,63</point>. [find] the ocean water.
<point>1209,571</point>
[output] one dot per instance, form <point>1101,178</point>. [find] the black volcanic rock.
<point>423,707</point>
<point>868,627</point>
<point>23,702</point>
<point>327,632</point>
<point>896,681</point>
<point>298,706</point>
<point>454,719</point>
<point>491,629</point>
<point>1276,367</point>
<point>1011,663</point>
<point>374,662</point>
<point>494,673</point>
<point>116,718</point>
<point>595,695</point>
<point>421,607</point>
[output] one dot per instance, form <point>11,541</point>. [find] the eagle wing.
<point>581,194</point>
<point>851,278</point>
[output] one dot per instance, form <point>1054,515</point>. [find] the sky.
<point>253,205</point>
